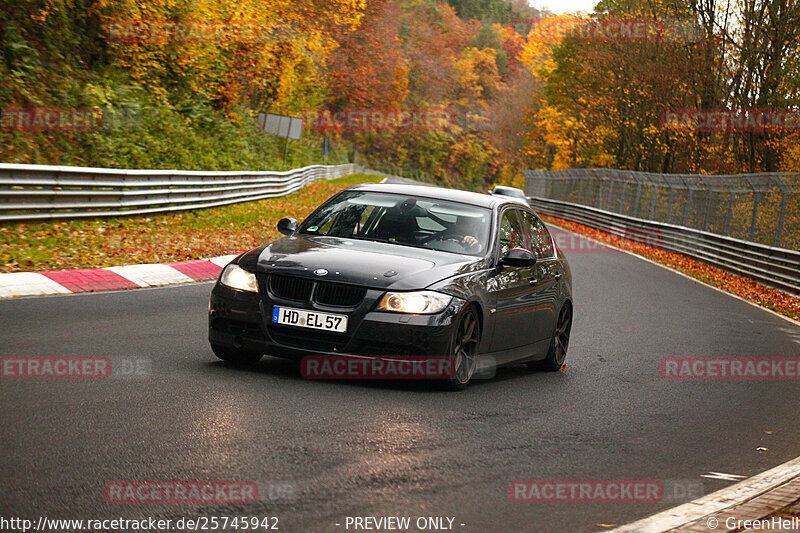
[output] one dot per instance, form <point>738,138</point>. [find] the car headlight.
<point>236,277</point>
<point>422,302</point>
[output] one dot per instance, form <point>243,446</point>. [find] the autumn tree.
<point>368,68</point>
<point>488,11</point>
<point>268,68</point>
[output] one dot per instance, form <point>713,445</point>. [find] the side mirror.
<point>287,226</point>
<point>490,191</point>
<point>518,257</point>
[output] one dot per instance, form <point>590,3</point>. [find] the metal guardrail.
<point>40,192</point>
<point>771,266</point>
<point>763,208</point>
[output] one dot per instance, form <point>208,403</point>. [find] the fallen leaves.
<point>191,235</point>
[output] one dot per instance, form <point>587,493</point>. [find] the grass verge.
<point>104,242</point>
<point>747,289</point>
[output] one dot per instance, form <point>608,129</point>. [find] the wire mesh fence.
<point>761,208</point>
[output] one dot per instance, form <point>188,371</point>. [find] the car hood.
<point>369,264</point>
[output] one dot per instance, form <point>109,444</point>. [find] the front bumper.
<point>242,320</point>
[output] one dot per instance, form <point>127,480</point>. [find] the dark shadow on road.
<point>289,369</point>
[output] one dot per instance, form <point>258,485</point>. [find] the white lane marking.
<point>678,272</point>
<point>223,260</point>
<point>151,275</point>
<point>722,476</point>
<point>29,284</point>
<point>793,333</point>
<point>717,501</point>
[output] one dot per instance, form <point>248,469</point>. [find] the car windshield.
<point>405,220</point>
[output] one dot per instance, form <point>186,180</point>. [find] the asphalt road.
<point>372,449</point>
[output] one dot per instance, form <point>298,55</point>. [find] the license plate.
<point>309,319</point>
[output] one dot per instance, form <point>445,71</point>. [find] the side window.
<point>539,239</point>
<point>510,232</point>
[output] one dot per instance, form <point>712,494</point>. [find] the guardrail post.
<point>754,218</point>
<point>708,209</point>
<point>782,213</point>
<point>729,214</point>
<point>781,216</point>
<point>754,215</point>
<point>653,202</point>
<point>598,199</point>
<point>689,200</point>
<point>610,193</point>
<point>121,198</point>
<point>566,184</point>
<point>669,202</point>
<point>52,199</point>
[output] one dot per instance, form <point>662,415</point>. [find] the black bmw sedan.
<point>386,271</point>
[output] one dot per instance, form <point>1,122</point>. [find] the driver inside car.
<point>463,232</point>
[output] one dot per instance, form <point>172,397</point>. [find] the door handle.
<point>559,275</point>
<point>533,281</point>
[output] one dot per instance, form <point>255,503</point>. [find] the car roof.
<point>437,193</point>
<point>509,191</point>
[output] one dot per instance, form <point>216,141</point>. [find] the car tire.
<point>235,356</point>
<point>464,349</point>
<point>559,343</point>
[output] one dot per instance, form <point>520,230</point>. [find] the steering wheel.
<point>459,240</point>
<point>441,237</point>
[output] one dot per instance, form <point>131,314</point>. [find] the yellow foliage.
<point>547,34</point>
<point>477,70</point>
<point>790,153</point>
<point>559,131</point>
<point>225,50</point>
